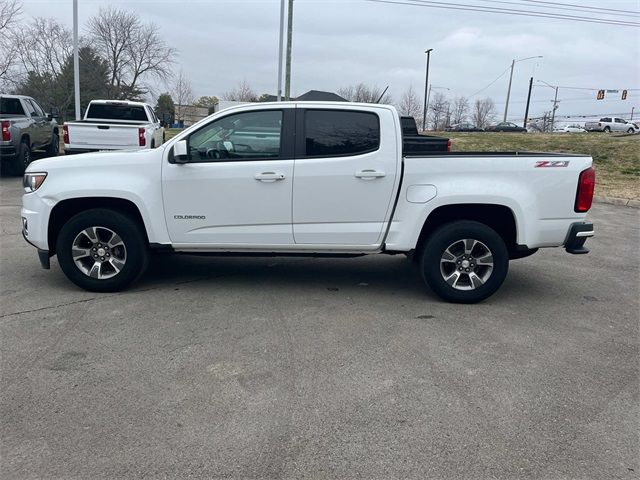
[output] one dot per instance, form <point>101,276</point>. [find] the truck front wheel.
<point>464,262</point>
<point>102,250</point>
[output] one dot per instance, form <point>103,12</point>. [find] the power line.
<point>584,6</point>
<point>498,78</point>
<point>532,12</point>
<point>523,13</point>
<point>568,7</point>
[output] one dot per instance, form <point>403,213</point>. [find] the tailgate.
<point>98,135</point>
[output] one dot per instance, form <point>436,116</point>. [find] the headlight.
<point>32,181</point>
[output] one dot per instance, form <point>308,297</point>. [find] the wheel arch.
<point>498,217</point>
<point>66,209</point>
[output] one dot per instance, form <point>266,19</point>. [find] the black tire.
<point>631,130</point>
<point>54,147</point>
<point>607,130</point>
<point>20,162</point>
<point>450,235</point>
<point>133,239</point>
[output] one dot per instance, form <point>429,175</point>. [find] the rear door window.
<point>39,110</point>
<point>333,133</point>
<point>31,110</point>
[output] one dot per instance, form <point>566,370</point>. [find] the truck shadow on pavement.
<point>392,276</point>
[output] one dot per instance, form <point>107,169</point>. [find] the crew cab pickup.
<point>25,128</point>
<point>113,125</point>
<point>312,178</point>
<point>609,124</point>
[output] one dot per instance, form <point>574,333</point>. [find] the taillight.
<point>6,134</point>
<point>448,145</point>
<point>141,140</point>
<point>586,185</point>
<point>65,134</point>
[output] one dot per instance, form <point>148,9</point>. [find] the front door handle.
<point>269,177</point>
<point>370,174</point>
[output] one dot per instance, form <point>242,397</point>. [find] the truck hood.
<point>102,161</point>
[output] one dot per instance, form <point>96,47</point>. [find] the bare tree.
<point>364,93</point>
<point>10,11</point>
<point>182,95</point>
<point>134,51</point>
<point>43,49</point>
<point>440,111</point>
<point>460,110</point>
<point>410,104</point>
<point>242,93</point>
<point>483,112</point>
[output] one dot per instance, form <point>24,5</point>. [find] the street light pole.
<point>506,106</point>
<point>287,80</point>
<point>280,48</point>
<point>426,92</point>
<point>76,60</point>
<point>513,62</point>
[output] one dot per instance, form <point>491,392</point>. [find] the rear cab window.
<point>334,133</point>
<point>117,111</point>
<point>11,106</point>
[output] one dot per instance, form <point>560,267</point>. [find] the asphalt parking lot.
<point>322,368</point>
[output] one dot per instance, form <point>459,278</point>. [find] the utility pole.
<point>426,92</point>
<point>555,106</point>
<point>280,50</point>
<point>76,60</point>
<point>526,110</point>
<point>632,109</point>
<point>287,81</point>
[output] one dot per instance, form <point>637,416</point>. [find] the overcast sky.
<point>341,42</point>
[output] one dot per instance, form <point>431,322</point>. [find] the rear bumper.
<point>577,236</point>
<point>7,152</point>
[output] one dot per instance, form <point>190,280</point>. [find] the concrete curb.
<point>624,202</point>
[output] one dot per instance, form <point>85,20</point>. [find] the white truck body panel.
<point>319,205</point>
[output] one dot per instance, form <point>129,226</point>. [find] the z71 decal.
<point>552,163</point>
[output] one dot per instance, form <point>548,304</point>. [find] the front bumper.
<point>577,235</point>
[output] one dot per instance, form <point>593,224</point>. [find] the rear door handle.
<point>370,174</point>
<point>269,177</point>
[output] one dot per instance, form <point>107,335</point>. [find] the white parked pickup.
<point>113,125</point>
<point>306,178</point>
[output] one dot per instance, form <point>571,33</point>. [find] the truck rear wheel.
<point>54,147</point>
<point>464,262</point>
<point>102,250</point>
<point>17,165</point>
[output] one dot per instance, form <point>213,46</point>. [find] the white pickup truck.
<point>113,125</point>
<point>609,124</point>
<point>306,178</point>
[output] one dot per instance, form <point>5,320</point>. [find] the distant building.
<point>187,115</point>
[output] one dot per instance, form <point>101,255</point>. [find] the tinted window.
<point>31,110</point>
<point>336,132</point>
<point>39,111</point>
<point>619,120</point>
<point>110,111</point>
<point>11,106</point>
<point>243,136</point>
<point>605,119</point>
